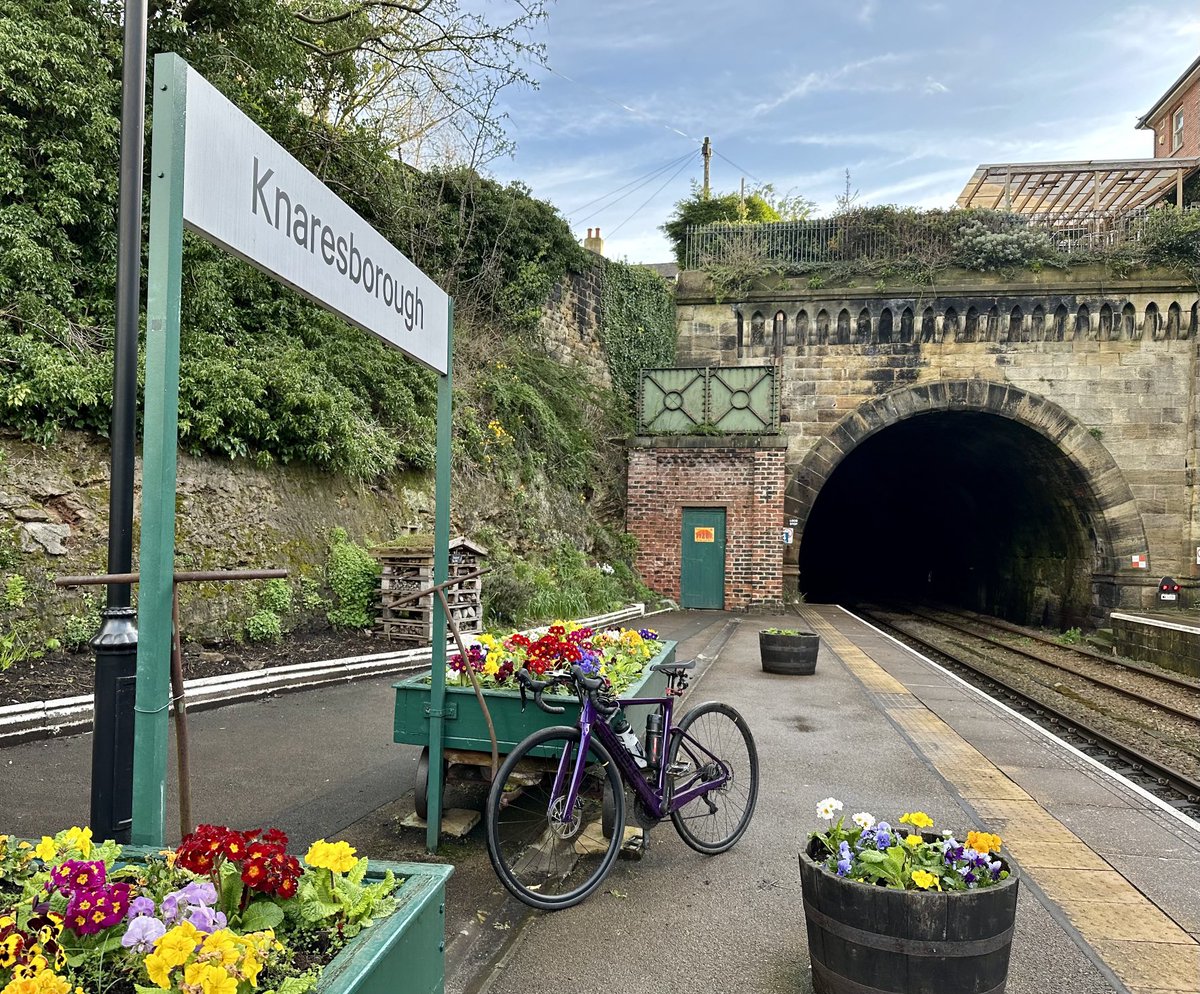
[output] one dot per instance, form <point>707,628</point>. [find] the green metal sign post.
<point>160,439</point>
<point>441,570</point>
<point>389,307</point>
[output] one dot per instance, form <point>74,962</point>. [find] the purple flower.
<point>143,933</point>
<point>648,633</point>
<point>78,875</point>
<point>589,662</point>
<point>206,920</point>
<point>171,910</point>
<point>200,892</point>
<point>140,907</point>
<point>883,835</point>
<point>843,867</point>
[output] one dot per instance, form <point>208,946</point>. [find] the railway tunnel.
<point>966,508</point>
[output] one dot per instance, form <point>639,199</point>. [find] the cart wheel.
<point>421,790</point>
<point>608,812</point>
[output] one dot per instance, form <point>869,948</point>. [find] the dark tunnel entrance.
<point>958,507</point>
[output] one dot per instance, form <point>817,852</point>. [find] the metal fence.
<point>888,235</point>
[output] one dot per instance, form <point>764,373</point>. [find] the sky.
<point>908,95</point>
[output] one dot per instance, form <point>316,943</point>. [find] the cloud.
<point>851,77</point>
<point>931,85</point>
<point>866,13</point>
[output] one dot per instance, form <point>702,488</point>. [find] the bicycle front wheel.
<point>712,739</point>
<point>546,860</point>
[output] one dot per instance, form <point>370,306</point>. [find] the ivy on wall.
<point>637,323</point>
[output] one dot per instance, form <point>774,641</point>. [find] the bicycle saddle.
<point>676,667</point>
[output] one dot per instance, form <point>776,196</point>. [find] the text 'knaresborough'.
<point>290,217</point>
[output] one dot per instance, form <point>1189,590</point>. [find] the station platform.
<point>1110,876</point>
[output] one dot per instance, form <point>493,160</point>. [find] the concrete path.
<point>677,922</point>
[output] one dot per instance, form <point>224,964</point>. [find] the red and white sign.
<point>1140,561</point>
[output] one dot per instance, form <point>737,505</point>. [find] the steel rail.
<point>1154,702</point>
<point>1166,776</point>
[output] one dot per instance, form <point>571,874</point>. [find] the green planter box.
<point>403,953</point>
<point>465,725</point>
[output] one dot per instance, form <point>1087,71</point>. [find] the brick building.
<point>1175,117</point>
<point>695,499</point>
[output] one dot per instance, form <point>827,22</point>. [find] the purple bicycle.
<point>555,814</point>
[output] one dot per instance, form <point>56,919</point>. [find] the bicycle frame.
<point>650,794</point>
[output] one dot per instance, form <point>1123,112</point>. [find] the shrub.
<point>276,596</point>
<point>80,629</point>
<point>353,576</point>
<point>264,626</point>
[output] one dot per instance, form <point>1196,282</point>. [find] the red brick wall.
<point>1189,100</point>
<point>748,482</point>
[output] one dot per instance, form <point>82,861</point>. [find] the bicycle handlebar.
<point>588,684</point>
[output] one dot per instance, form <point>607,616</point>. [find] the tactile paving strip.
<point>1143,946</point>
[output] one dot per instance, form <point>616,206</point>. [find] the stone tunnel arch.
<point>1067,473</point>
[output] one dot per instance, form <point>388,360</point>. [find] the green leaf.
<point>260,915</point>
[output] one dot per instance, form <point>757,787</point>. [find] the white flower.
<point>864,820</point>
<point>828,807</point>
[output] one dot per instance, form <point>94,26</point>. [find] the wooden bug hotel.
<point>408,567</point>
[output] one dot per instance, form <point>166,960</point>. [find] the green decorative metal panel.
<point>702,559</point>
<point>729,400</point>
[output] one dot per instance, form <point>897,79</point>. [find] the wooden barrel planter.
<point>879,939</point>
<point>789,655</point>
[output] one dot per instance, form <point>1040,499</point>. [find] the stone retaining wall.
<point>1172,645</point>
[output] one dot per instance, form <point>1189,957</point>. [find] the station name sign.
<point>244,192</point>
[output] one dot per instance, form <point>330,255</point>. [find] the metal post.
<point>441,570</point>
<point>112,724</point>
<point>116,642</point>
<point>157,557</point>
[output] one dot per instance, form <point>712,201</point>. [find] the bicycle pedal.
<point>679,768</point>
<point>635,848</point>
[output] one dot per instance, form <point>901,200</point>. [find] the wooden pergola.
<point>1094,187</point>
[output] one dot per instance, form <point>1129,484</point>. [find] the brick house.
<point>1175,117</point>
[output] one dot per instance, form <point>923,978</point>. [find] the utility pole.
<point>706,152</point>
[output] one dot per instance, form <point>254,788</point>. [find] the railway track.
<point>1134,729</point>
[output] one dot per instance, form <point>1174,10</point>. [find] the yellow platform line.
<point>1143,947</point>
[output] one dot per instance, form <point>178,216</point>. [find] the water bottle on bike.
<point>620,725</point>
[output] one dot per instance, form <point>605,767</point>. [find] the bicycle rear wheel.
<point>545,862</point>
<point>709,739</point>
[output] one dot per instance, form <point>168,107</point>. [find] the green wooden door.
<point>702,566</point>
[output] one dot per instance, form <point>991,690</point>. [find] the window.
<point>1177,130</point>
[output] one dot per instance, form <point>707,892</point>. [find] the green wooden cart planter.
<point>467,742</point>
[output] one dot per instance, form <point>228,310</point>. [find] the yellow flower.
<point>81,839</point>
<point>925,879</point>
<point>214,980</point>
<point>336,856</point>
<point>223,945</point>
<point>913,840</point>
<point>251,966</point>
<point>46,849</point>
<point>159,970</point>
<point>177,945</point>
<point>984,842</point>
<point>918,819</point>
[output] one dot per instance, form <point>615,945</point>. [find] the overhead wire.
<point>681,163</point>
<point>645,177</point>
<point>736,166</point>
<point>648,199</point>
<point>625,107</point>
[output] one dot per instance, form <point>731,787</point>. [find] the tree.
<point>760,205</point>
<point>424,75</point>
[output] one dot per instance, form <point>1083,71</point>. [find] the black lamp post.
<point>116,643</point>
